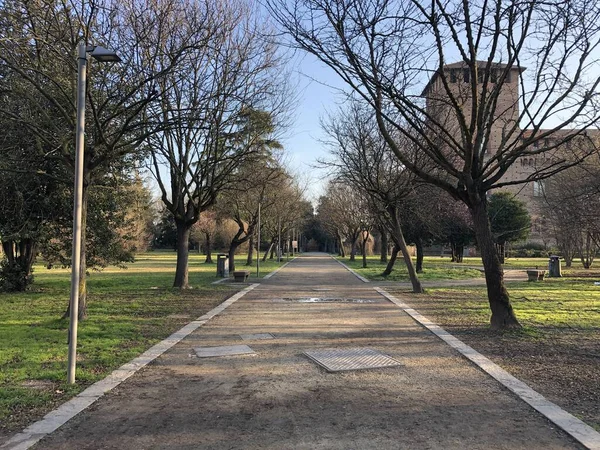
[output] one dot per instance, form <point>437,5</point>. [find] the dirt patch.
<point>563,364</point>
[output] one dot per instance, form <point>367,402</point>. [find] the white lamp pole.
<point>258,245</point>
<point>103,55</point>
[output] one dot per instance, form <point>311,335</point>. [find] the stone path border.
<point>65,412</point>
<point>360,277</point>
<point>579,430</point>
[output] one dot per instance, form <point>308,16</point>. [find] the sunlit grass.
<point>434,268</point>
<point>128,311</point>
<point>555,303</point>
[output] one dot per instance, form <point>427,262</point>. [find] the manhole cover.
<point>257,336</point>
<point>339,360</point>
<point>327,300</point>
<point>225,350</point>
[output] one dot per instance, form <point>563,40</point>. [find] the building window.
<point>466,75</point>
<point>453,77</point>
<point>538,188</point>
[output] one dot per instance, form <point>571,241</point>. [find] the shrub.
<point>14,277</point>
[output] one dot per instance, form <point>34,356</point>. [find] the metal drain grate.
<point>225,350</point>
<point>328,300</point>
<point>340,360</point>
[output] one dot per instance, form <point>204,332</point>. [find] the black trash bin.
<point>222,265</point>
<point>554,266</point>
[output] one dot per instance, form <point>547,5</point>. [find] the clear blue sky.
<point>318,92</point>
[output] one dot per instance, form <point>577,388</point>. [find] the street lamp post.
<point>103,55</point>
<point>258,245</point>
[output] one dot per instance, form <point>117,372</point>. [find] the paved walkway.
<point>279,399</point>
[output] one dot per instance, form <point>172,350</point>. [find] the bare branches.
<point>395,56</point>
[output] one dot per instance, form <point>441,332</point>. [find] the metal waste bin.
<point>222,265</point>
<point>554,266</point>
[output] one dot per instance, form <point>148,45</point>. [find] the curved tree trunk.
<point>391,262</point>
<point>240,237</point>
<point>412,273</point>
<point>383,243</point>
<point>503,315</point>
<point>398,238</point>
<point>183,246</point>
<point>271,246</point>
<point>419,245</point>
<point>250,256</point>
<point>232,248</point>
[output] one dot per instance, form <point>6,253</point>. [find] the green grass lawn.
<point>441,268</point>
<point>129,310</point>
<point>555,303</point>
<point>434,268</point>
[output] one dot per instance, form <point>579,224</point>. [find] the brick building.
<point>505,124</point>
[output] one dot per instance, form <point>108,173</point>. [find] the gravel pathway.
<point>280,399</point>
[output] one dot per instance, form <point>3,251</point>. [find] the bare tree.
<point>206,228</point>
<point>217,111</point>
<point>572,205</point>
<point>467,119</point>
<point>363,158</point>
<point>256,188</point>
<point>288,210</point>
<point>343,215</point>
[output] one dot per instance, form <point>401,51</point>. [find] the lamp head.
<point>102,54</point>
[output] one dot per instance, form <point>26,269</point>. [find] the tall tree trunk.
<point>208,259</point>
<point>460,253</point>
<point>398,238</point>
<point>391,262</point>
<point>232,248</point>
<point>354,237</point>
<point>240,237</point>
<point>501,247</point>
<point>503,315</point>
<point>342,251</point>
<point>271,246</point>
<point>453,258</point>
<point>364,248</point>
<point>419,245</point>
<point>383,245</point>
<point>250,256</point>
<point>183,248</point>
